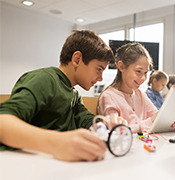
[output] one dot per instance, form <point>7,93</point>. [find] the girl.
<point>122,97</point>
<point>157,82</point>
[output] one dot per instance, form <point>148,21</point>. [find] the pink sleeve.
<point>140,125</point>
<point>110,103</point>
<point>150,107</point>
<point>150,110</point>
<point>107,105</point>
<point>145,125</point>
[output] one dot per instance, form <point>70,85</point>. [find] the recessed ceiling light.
<point>80,20</point>
<point>27,3</point>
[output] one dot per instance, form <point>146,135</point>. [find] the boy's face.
<point>88,75</point>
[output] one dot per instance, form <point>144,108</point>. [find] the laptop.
<point>166,115</point>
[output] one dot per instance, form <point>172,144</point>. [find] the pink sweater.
<point>136,108</point>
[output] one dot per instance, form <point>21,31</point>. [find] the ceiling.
<point>92,11</point>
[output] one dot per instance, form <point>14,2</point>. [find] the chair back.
<point>4,97</point>
<point>91,104</point>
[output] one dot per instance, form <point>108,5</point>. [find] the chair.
<point>91,104</point>
<point>4,97</point>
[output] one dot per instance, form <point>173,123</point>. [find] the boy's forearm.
<point>74,145</point>
<point>19,134</point>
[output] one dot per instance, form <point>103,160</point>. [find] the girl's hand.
<point>154,116</point>
<point>115,120</point>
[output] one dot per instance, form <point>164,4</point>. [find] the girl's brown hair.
<point>129,54</point>
<point>157,75</point>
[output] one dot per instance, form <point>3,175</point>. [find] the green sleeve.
<point>29,96</point>
<point>83,117</point>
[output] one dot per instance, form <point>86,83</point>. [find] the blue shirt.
<point>155,97</point>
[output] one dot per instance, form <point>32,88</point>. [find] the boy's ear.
<point>76,58</point>
<point>170,85</point>
<point>121,66</point>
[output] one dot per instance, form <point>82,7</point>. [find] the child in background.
<point>123,98</point>
<point>44,102</point>
<point>157,82</point>
<point>170,83</point>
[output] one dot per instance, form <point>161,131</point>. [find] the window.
<point>116,35</point>
<point>109,75</point>
<point>150,33</point>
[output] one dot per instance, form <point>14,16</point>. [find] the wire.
<point>158,135</point>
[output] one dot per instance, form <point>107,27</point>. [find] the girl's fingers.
<point>115,120</point>
<point>125,122</point>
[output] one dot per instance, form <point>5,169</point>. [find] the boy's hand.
<point>78,145</point>
<point>73,145</point>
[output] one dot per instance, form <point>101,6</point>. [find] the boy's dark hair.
<point>171,80</point>
<point>89,44</point>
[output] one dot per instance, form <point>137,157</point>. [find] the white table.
<point>138,164</point>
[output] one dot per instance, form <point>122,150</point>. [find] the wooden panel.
<point>4,97</point>
<point>91,104</point>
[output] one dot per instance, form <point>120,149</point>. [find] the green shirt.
<point>45,98</point>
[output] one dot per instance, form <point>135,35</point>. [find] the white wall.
<point>29,40</point>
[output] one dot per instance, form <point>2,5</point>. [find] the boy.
<point>43,102</point>
<point>170,83</point>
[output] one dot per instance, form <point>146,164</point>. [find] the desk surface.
<point>138,164</point>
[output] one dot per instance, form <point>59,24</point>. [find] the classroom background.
<point>32,39</point>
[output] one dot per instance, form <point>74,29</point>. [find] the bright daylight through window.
<point>150,33</point>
